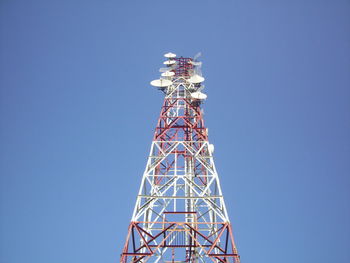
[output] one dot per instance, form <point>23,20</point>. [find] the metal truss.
<point>180,213</point>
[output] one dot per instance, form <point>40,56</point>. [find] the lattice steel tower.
<point>180,213</point>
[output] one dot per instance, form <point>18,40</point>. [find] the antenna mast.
<point>180,213</point>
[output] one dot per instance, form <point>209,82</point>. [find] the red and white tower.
<point>180,213</point>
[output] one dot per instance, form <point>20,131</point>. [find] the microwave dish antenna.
<point>196,79</point>
<point>170,55</point>
<point>167,74</point>
<point>198,95</point>
<point>196,63</point>
<point>161,83</point>
<point>169,62</point>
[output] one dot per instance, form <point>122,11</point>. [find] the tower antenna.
<point>180,214</point>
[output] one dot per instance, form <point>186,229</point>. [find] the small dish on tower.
<point>196,79</point>
<point>170,55</point>
<point>169,62</point>
<point>198,95</point>
<point>161,83</point>
<point>168,74</point>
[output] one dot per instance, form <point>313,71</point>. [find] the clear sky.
<point>77,115</point>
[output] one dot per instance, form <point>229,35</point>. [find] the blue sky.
<point>77,115</point>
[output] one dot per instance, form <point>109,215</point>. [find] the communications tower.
<point>180,213</point>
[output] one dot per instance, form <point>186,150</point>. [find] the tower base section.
<point>175,242</point>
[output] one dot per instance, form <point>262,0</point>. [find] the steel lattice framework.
<point>180,213</point>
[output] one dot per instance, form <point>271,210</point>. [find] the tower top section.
<point>180,71</point>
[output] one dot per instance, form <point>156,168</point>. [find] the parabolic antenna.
<point>196,79</point>
<point>198,95</point>
<point>211,148</point>
<point>161,83</point>
<point>195,63</point>
<point>168,74</point>
<point>170,55</point>
<point>169,62</point>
